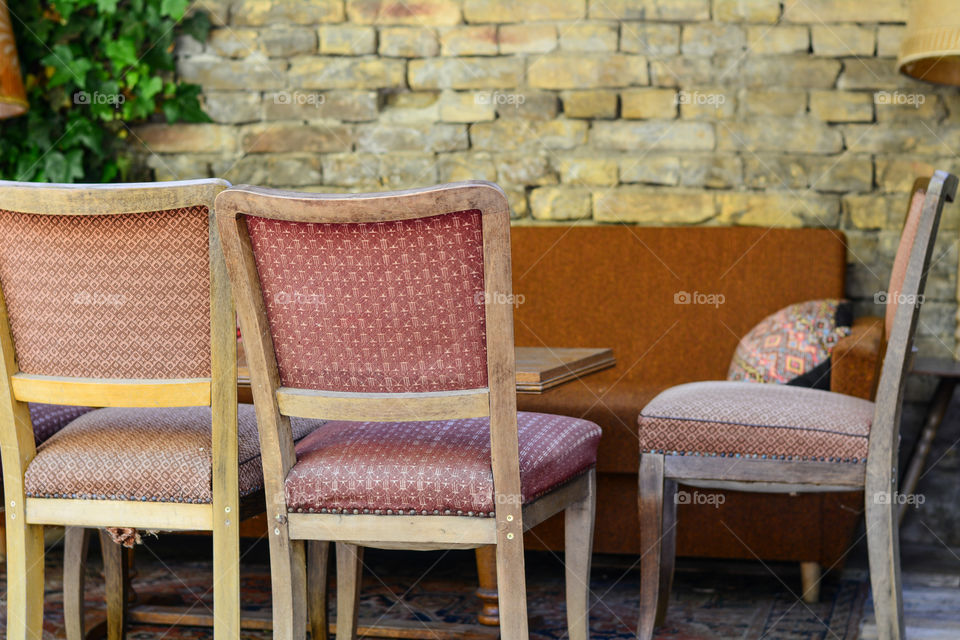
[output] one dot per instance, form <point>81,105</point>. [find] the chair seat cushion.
<point>742,419</point>
<point>431,468</point>
<point>152,455</point>
<point>47,419</point>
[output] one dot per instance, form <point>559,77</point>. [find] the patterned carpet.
<point>711,600</point>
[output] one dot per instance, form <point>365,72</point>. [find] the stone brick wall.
<point>652,112</point>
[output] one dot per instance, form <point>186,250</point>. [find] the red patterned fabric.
<point>742,419</point>
<point>899,272</point>
<point>154,455</point>
<point>382,307</point>
<point>431,468</point>
<point>48,419</point>
<point>788,343</point>
<point>124,296</point>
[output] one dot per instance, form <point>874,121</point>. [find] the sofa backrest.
<point>671,302</point>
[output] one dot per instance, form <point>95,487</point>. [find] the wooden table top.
<point>538,368</point>
<point>943,367</point>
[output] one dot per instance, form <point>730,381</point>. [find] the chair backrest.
<point>885,432</point>
<point>374,307</point>
<point>907,235</point>
<point>112,295</point>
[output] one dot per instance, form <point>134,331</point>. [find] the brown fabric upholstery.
<point>153,455</point>
<point>768,421</point>
<point>431,468</point>
<point>123,296</point>
<point>383,307</point>
<point>855,364</point>
<point>618,285</point>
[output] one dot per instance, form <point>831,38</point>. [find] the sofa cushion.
<point>154,455</point>
<point>792,342</point>
<point>740,419</point>
<point>48,419</point>
<point>430,468</point>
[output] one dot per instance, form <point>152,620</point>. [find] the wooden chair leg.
<point>349,577</point>
<point>658,510</point>
<point>318,557</point>
<point>578,549</point>
<point>883,547</point>
<point>487,585</point>
<point>810,580</point>
<point>226,578</point>
<point>24,578</point>
<point>512,589</point>
<point>288,581</point>
<point>76,543</point>
<point>117,576</point>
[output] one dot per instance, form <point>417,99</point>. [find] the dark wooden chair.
<point>776,438</point>
<point>391,315</point>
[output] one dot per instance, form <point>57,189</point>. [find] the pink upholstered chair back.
<point>375,307</point>
<point>117,295</point>
<point>902,258</point>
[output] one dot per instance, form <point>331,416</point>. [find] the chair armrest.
<point>855,361</point>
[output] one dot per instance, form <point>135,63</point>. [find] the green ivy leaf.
<point>66,68</point>
<point>123,53</point>
<point>107,6</point>
<point>174,8</point>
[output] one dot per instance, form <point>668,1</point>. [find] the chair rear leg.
<point>883,545</point>
<point>578,548</point>
<point>512,587</point>
<point>349,577</point>
<point>658,542</point>
<point>24,577</point>
<point>117,577</point>
<point>318,555</point>
<point>76,544</point>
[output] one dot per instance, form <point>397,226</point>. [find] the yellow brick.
<point>560,203</point>
<point>347,40</point>
<point>648,103</point>
<point>588,37</point>
<point>469,106</point>
<point>522,38</point>
<point>419,13</point>
<point>843,40</point>
<point>588,170</point>
<point>652,206</point>
<point>841,106</point>
<point>570,71</point>
<point>826,11</point>
<point>777,209</point>
<point>786,39</point>
<point>759,102</point>
<point>523,10</point>
<point>766,11</point>
<point>408,42</point>
<point>469,41</point>
<point>597,103</point>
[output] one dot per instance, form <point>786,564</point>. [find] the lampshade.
<point>930,50</point>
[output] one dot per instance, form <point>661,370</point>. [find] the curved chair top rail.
<point>106,199</point>
<point>357,207</point>
<point>884,434</point>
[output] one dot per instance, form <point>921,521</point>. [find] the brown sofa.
<point>615,286</point>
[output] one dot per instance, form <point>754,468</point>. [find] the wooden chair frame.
<point>25,517</point>
<point>275,404</point>
<point>660,474</point>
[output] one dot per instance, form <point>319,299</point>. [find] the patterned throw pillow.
<point>793,345</point>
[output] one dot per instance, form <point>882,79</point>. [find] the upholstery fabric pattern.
<point>788,343</point>
<point>48,419</point>
<point>899,272</point>
<point>741,419</point>
<point>431,468</point>
<point>152,455</point>
<point>124,296</point>
<point>380,307</point>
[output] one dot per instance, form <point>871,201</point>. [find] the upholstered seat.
<point>424,468</point>
<point>153,455</point>
<point>756,420</point>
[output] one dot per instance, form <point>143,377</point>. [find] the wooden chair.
<point>775,438</point>
<point>390,314</point>
<point>117,296</point>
